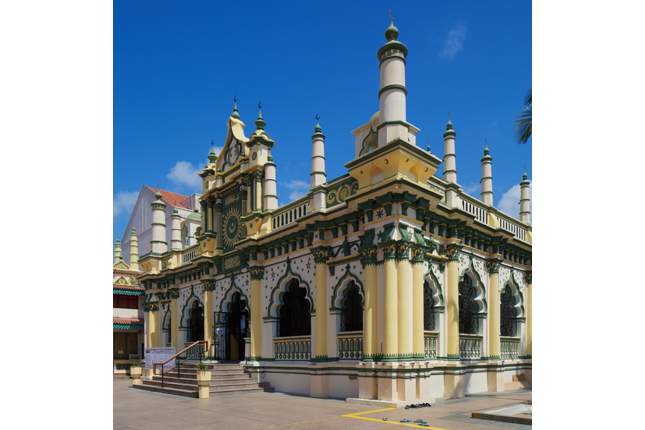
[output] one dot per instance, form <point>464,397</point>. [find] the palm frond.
<point>524,122</point>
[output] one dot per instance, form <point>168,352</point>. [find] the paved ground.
<point>141,410</point>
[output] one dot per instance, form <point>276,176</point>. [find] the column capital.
<point>418,253</point>
<point>320,254</point>
<point>389,250</point>
<point>257,273</point>
<point>218,207</point>
<point>209,285</point>
<point>528,275</point>
<point>402,250</point>
<point>258,174</point>
<point>493,265</point>
<point>154,306</point>
<point>368,255</point>
<point>452,251</point>
<point>174,293</point>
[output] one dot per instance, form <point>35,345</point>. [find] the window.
<point>125,302</point>
<point>196,322</point>
<point>468,308</point>
<point>166,328</point>
<point>294,313</point>
<point>507,313</point>
<point>351,315</point>
<point>428,308</point>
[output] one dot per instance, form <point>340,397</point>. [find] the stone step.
<point>241,391</point>
<point>193,375</point>
<point>170,384</point>
<point>165,390</point>
<point>214,366</point>
<point>195,394</point>
<point>193,380</point>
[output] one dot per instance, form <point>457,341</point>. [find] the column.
<point>174,319</point>
<point>452,308</point>
<point>204,215</point>
<point>257,274</point>
<point>449,155</point>
<point>218,223</point>
<point>493,309</point>
<point>390,346</point>
<point>418,351</point>
<point>403,301</point>
<point>209,286</point>
<point>258,189</point>
<point>209,222</point>
<point>370,316</point>
<point>529,314</point>
<point>134,250</point>
<point>249,202</point>
<point>320,258</point>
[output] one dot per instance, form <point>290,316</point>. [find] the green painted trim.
<point>116,326</point>
<point>396,122</point>
<point>393,87</point>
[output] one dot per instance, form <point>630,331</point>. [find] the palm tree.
<point>524,121</point>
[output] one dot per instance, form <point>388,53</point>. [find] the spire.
<point>235,113</point>
<point>158,195</point>
<point>450,156</point>
<point>117,251</point>
<point>525,200</point>
<point>318,174</point>
<point>212,157</point>
<point>392,33</point>
<point>259,123</point>
<point>487,178</point>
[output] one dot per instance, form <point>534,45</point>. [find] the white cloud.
<point>184,173</point>
<point>471,189</point>
<point>300,188</point>
<point>510,201</point>
<point>454,40</point>
<point>124,202</point>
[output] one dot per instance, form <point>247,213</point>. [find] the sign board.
<point>159,355</point>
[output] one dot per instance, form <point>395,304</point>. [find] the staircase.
<point>226,380</point>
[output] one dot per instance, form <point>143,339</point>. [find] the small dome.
<point>158,195</point>
<point>195,215</point>
<point>375,116</point>
<point>392,32</point>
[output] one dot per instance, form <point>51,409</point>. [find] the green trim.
<point>116,326</point>
<point>396,122</point>
<point>347,274</point>
<point>393,87</point>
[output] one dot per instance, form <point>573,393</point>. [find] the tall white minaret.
<point>449,156</point>
<point>269,189</point>
<point>487,179</point>
<point>175,232</point>
<point>318,174</point>
<point>392,93</point>
<point>134,250</point>
<point>525,202</point>
<point>158,243</point>
<point>117,250</point>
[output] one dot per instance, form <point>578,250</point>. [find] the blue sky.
<point>177,67</point>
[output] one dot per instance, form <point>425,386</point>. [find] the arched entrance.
<point>237,326</point>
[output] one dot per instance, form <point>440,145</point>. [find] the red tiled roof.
<point>127,287</point>
<point>131,321</point>
<point>172,199</point>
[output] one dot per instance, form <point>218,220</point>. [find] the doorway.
<point>237,327</point>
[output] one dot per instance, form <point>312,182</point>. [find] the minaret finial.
<point>212,157</point>
<point>259,123</point>
<point>392,32</point>
<point>317,128</point>
<point>428,145</point>
<point>390,12</point>
<point>235,114</point>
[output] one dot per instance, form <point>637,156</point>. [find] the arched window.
<point>294,313</point>
<point>468,308</point>
<point>351,314</point>
<point>196,322</point>
<point>507,313</point>
<point>166,327</point>
<point>428,308</point>
<point>184,236</point>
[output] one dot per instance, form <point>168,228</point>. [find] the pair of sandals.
<point>420,405</point>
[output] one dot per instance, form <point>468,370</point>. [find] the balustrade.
<point>509,348</point>
<point>350,345</point>
<point>292,348</point>
<point>470,347</point>
<point>430,342</point>
<point>290,215</point>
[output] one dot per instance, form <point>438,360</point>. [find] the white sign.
<point>159,355</point>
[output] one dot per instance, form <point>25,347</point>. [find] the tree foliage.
<point>524,121</point>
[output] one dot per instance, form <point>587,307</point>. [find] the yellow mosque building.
<point>387,284</point>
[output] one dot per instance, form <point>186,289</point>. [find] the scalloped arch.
<point>517,293</point>
<point>274,298</point>
<point>435,286</point>
<point>189,300</point>
<point>479,285</point>
<point>338,293</point>
<point>228,297</point>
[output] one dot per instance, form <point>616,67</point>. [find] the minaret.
<point>134,250</point>
<point>449,156</point>
<point>392,93</point>
<point>525,202</point>
<point>117,250</point>
<point>318,175</point>
<point>158,244</point>
<point>175,233</point>
<point>270,191</point>
<point>487,179</point>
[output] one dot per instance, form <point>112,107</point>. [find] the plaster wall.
<point>343,387</point>
<point>127,313</point>
<point>476,382</point>
<point>288,382</point>
<point>436,386</point>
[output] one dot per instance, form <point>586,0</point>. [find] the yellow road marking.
<point>388,422</point>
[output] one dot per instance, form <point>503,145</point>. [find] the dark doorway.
<point>196,322</point>
<point>295,319</point>
<point>236,327</point>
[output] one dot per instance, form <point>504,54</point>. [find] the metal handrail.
<point>194,351</point>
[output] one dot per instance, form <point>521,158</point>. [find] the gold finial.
<point>390,12</point>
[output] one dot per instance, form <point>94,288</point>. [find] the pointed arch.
<point>227,298</point>
<point>370,142</point>
<point>517,294</point>
<point>189,301</point>
<point>275,299</point>
<point>340,287</point>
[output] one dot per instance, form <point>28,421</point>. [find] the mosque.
<point>388,283</point>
